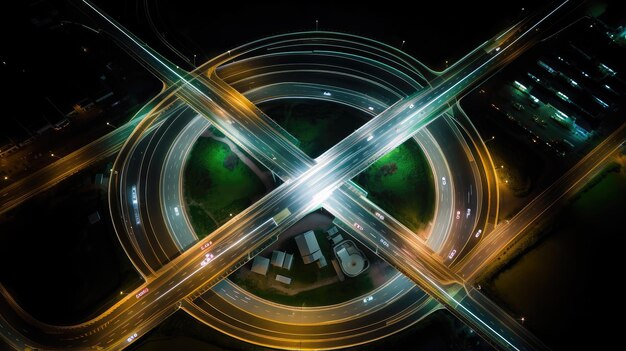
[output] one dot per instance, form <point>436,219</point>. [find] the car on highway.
<point>358,226</point>
<point>458,214</point>
<point>207,258</point>
<point>327,93</point>
<point>176,212</point>
<point>142,293</point>
<point>368,299</point>
<point>379,216</point>
<point>468,213</point>
<point>206,245</point>
<point>135,202</point>
<point>132,337</point>
<point>478,233</point>
<point>452,253</point>
<point>134,194</point>
<point>443,180</point>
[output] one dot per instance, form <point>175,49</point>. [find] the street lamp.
<point>402,45</point>
<point>490,139</point>
<point>316,25</point>
<point>111,125</point>
<point>194,60</point>
<point>53,155</point>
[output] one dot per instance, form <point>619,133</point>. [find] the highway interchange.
<point>156,151</point>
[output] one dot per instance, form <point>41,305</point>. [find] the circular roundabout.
<point>153,222</point>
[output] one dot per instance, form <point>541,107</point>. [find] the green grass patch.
<point>401,182</point>
<point>216,184</point>
<point>200,221</point>
<point>318,125</point>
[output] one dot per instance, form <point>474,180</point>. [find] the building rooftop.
<point>260,265</point>
<point>288,261</point>
<point>308,247</point>
<point>283,279</point>
<point>278,258</point>
<point>352,260</point>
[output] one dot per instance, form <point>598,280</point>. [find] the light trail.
<point>143,46</point>
<point>301,180</point>
<point>214,258</point>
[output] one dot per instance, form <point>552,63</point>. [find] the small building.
<point>308,247</point>
<point>338,270</point>
<point>260,265</point>
<point>321,262</point>
<point>288,261</point>
<point>278,258</point>
<point>351,259</point>
<point>332,231</point>
<point>283,279</point>
<point>337,239</point>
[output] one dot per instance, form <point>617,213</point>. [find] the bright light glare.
<point>322,195</point>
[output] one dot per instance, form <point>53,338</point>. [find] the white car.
<point>443,180</point>
<point>478,233</point>
<point>134,195</point>
<point>458,214</point>
<point>367,299</point>
<point>207,258</point>
<point>132,337</point>
<point>379,216</point>
<point>327,93</point>
<point>358,226</point>
<point>468,213</point>
<point>176,212</point>
<point>452,253</point>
